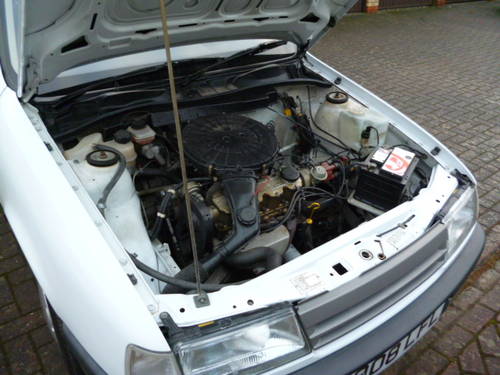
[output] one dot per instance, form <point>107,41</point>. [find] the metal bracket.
<point>201,300</point>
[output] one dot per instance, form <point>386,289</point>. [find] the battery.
<point>383,187</point>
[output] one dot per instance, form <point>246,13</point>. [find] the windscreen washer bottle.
<point>352,123</point>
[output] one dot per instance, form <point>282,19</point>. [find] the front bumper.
<point>335,358</point>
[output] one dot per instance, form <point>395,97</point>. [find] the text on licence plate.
<point>385,359</point>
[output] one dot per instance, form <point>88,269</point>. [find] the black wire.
<point>378,136</point>
<point>101,203</point>
<point>160,216</point>
<point>331,153</point>
<point>187,285</point>
<point>299,196</point>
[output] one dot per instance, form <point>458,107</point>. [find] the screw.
<point>381,256</point>
<point>151,308</point>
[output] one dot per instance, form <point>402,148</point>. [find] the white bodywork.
<point>82,267</point>
<point>71,259</point>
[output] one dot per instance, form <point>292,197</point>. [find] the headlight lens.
<point>250,347</point>
<point>141,361</point>
<point>461,218</point>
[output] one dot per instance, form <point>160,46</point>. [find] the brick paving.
<point>439,66</point>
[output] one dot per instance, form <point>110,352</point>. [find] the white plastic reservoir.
<point>123,214</point>
<point>346,119</point>
<point>87,143</point>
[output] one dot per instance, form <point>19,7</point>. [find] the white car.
<point>330,230</point>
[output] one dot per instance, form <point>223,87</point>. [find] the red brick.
<point>452,369</point>
<point>487,279</point>
<point>489,341</point>
<point>449,316</point>
<point>452,342</point>
<point>52,361</point>
<point>476,318</point>
<point>493,365</point>
<point>5,292</point>
<point>470,359</point>
<point>8,312</point>
<point>8,246</point>
<point>430,362</point>
<point>11,264</point>
<point>467,298</point>
<point>22,356</point>
<point>492,299</point>
<point>20,275</point>
<point>26,296</point>
<point>41,336</point>
<point>21,325</point>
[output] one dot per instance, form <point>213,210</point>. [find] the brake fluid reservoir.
<point>346,119</point>
<point>122,141</point>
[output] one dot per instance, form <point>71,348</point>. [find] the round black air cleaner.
<point>229,142</point>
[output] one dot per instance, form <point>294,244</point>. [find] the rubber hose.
<point>122,164</point>
<point>179,283</point>
<point>160,216</point>
<point>153,172</point>
<point>249,258</point>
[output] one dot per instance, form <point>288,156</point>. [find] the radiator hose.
<point>239,189</point>
<point>249,258</point>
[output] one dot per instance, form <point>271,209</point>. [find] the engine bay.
<point>273,174</point>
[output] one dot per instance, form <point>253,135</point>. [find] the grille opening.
<point>340,269</point>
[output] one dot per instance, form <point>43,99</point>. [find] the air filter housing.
<point>228,142</point>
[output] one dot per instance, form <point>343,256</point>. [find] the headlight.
<point>141,361</point>
<point>461,217</point>
<point>250,347</point>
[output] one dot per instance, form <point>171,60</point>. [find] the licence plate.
<point>391,355</point>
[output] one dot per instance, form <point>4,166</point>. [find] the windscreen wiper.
<point>105,81</point>
<point>247,52</point>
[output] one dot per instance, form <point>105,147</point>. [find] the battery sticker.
<point>396,238</point>
<point>381,155</point>
<point>308,283</point>
<point>398,162</point>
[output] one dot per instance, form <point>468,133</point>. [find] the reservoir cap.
<point>100,158</point>
<point>336,97</point>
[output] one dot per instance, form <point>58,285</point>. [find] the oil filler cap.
<point>101,158</point>
<point>247,215</point>
<point>122,136</point>
<point>290,173</point>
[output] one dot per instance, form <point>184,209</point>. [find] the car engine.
<point>266,185</point>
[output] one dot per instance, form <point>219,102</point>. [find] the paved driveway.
<point>441,67</point>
